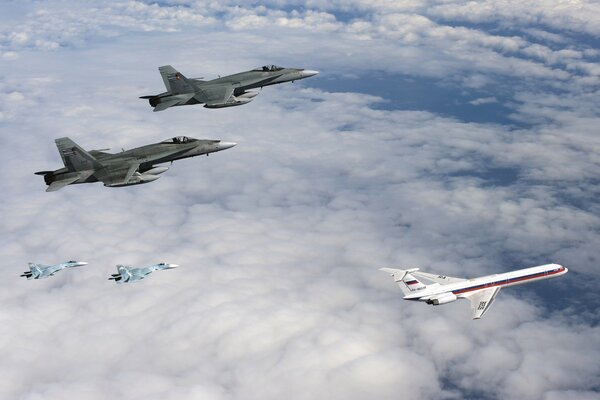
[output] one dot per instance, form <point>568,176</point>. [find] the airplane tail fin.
<point>74,157</point>
<point>122,274</point>
<point>174,81</point>
<point>405,280</point>
<point>34,271</point>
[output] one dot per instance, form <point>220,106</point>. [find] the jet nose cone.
<point>82,263</point>
<point>307,73</point>
<point>226,145</point>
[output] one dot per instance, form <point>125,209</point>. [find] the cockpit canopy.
<point>179,139</point>
<point>71,262</point>
<point>267,68</point>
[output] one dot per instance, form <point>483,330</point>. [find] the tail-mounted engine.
<point>442,299</point>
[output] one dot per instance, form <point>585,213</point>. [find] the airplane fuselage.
<point>512,278</point>
<point>38,271</point>
<point>147,157</point>
<point>128,274</point>
<point>196,91</point>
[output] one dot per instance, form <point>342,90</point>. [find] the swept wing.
<point>117,175</point>
<point>214,94</point>
<point>481,300</point>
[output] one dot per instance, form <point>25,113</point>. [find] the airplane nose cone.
<point>307,73</point>
<point>226,145</point>
<point>82,263</point>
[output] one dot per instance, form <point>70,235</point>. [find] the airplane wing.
<point>116,176</point>
<point>437,278</point>
<point>214,94</point>
<point>32,266</point>
<point>481,300</point>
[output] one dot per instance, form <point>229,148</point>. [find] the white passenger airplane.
<point>481,292</point>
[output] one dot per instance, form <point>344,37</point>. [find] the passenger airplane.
<point>481,291</point>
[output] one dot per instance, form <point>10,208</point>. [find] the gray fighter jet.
<point>228,91</point>
<point>131,167</point>
<point>128,274</point>
<point>39,271</point>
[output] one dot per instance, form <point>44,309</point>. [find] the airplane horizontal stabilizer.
<point>57,185</point>
<point>164,105</point>
<point>69,178</point>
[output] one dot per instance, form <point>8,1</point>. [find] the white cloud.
<point>484,100</point>
<point>280,237</point>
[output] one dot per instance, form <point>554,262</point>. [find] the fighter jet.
<point>481,291</point>
<point>39,271</point>
<point>131,167</point>
<point>128,274</point>
<point>228,91</point>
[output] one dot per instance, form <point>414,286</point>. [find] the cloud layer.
<point>280,237</point>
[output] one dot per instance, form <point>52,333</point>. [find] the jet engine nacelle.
<point>231,102</point>
<point>442,299</point>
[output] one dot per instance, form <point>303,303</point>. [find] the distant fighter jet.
<point>481,292</point>
<point>39,271</point>
<point>228,91</point>
<point>131,167</point>
<point>128,274</point>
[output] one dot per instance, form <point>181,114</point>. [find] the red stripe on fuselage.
<point>508,281</point>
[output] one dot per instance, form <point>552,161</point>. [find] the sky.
<point>461,138</point>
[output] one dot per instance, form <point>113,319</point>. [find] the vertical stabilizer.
<point>405,280</point>
<point>33,273</point>
<point>174,81</point>
<point>74,157</point>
